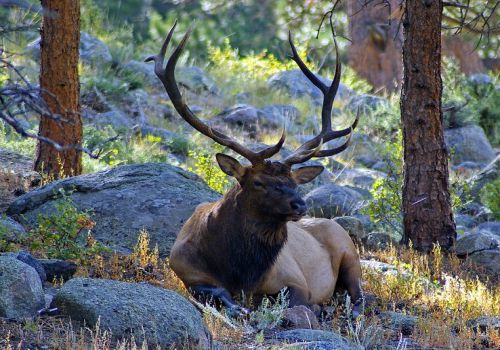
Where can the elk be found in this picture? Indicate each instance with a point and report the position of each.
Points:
(255, 238)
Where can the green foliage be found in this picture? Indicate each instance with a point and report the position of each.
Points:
(385, 208)
(205, 167)
(234, 72)
(490, 196)
(270, 313)
(353, 81)
(61, 235)
(127, 150)
(466, 101)
(11, 140)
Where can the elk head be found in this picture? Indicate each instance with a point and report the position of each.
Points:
(270, 186)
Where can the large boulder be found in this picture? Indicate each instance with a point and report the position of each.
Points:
(353, 226)
(10, 229)
(148, 313)
(363, 150)
(296, 85)
(16, 177)
(359, 177)
(247, 118)
(21, 294)
(489, 260)
(332, 200)
(366, 103)
(92, 50)
(475, 242)
(196, 80)
(124, 200)
(491, 227)
(469, 143)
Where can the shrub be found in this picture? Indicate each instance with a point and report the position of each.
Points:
(61, 235)
(205, 167)
(490, 196)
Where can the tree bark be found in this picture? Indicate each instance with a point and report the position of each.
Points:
(427, 213)
(60, 40)
(375, 51)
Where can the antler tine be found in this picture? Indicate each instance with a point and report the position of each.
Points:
(310, 75)
(167, 77)
(310, 148)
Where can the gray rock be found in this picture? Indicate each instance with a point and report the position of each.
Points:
(361, 178)
(313, 335)
(296, 85)
(21, 294)
(16, 177)
(281, 113)
(300, 316)
(56, 269)
(145, 71)
(363, 150)
(377, 265)
(10, 229)
(332, 200)
(28, 259)
(487, 259)
(483, 322)
(399, 322)
(491, 227)
(196, 80)
(353, 226)
(475, 242)
(92, 50)
(366, 103)
(248, 118)
(380, 240)
(469, 143)
(117, 119)
(465, 220)
(489, 174)
(124, 200)
(159, 316)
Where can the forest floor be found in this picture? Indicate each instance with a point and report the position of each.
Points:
(426, 302)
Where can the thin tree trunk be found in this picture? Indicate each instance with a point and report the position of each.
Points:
(59, 78)
(427, 212)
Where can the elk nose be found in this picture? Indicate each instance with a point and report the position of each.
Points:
(298, 206)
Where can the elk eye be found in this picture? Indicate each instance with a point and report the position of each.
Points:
(258, 184)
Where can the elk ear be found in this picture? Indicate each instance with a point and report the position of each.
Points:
(306, 174)
(230, 166)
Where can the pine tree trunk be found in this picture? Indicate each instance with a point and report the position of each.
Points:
(427, 213)
(375, 50)
(59, 80)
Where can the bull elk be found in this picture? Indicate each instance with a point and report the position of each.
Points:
(255, 238)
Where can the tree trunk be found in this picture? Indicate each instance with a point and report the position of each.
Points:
(375, 51)
(60, 39)
(427, 214)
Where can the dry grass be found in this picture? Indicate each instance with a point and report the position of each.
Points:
(442, 291)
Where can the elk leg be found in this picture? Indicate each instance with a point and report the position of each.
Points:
(350, 279)
(204, 293)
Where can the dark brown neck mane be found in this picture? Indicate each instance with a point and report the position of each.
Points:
(241, 246)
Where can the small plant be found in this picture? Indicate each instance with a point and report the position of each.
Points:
(385, 208)
(208, 170)
(490, 196)
(270, 314)
(61, 235)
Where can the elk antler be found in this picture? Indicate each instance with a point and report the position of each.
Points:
(167, 77)
(312, 148)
